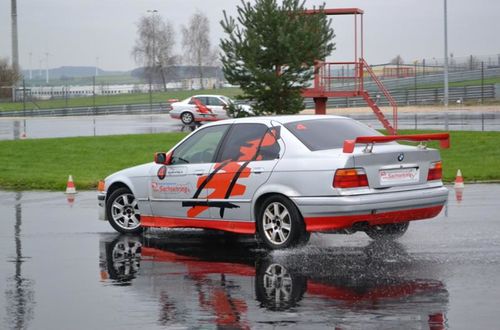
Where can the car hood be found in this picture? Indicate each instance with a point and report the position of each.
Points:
(136, 171)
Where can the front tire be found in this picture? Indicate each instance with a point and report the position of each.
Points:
(280, 224)
(123, 258)
(391, 231)
(187, 118)
(123, 212)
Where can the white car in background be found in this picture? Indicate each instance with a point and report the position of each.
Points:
(188, 112)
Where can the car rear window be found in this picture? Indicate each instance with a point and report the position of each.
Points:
(323, 134)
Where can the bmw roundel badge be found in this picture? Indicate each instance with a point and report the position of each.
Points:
(401, 156)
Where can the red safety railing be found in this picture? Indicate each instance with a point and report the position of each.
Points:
(346, 79)
(384, 91)
(334, 76)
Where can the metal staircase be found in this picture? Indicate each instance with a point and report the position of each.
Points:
(392, 129)
(328, 82)
(378, 113)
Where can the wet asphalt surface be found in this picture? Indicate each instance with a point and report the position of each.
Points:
(51, 127)
(61, 268)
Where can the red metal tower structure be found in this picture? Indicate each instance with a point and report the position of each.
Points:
(326, 82)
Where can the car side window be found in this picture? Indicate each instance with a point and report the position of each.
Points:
(214, 101)
(201, 99)
(200, 147)
(250, 142)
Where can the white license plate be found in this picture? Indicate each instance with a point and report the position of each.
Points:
(399, 176)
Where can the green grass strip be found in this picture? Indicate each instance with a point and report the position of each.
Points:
(465, 83)
(46, 163)
(476, 154)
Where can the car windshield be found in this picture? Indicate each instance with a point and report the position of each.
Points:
(323, 134)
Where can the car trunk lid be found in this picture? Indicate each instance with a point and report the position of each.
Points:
(393, 165)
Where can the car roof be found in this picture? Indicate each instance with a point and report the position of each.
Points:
(280, 119)
(208, 95)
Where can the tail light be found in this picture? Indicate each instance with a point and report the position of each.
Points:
(350, 178)
(101, 186)
(435, 171)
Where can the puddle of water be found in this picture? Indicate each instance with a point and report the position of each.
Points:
(238, 285)
(62, 268)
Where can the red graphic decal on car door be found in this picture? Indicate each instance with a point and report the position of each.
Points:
(220, 182)
(202, 108)
(223, 180)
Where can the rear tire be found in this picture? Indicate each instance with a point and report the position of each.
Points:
(187, 118)
(277, 288)
(280, 224)
(122, 212)
(391, 231)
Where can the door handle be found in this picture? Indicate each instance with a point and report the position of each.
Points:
(199, 172)
(258, 170)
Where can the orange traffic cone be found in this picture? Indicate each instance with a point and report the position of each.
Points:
(459, 194)
(71, 199)
(70, 186)
(459, 180)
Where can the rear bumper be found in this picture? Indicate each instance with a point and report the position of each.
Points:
(331, 213)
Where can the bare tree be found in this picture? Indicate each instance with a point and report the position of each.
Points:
(154, 46)
(196, 43)
(9, 77)
(398, 60)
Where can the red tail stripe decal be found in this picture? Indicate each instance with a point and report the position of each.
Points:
(347, 221)
(312, 223)
(239, 227)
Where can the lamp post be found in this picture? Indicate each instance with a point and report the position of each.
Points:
(47, 67)
(31, 66)
(446, 96)
(15, 44)
(153, 59)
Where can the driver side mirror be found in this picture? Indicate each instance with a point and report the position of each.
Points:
(163, 158)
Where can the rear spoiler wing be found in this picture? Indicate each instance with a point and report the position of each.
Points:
(443, 138)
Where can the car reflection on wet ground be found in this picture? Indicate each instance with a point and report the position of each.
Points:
(61, 268)
(233, 285)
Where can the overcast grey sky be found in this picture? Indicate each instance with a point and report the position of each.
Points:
(75, 32)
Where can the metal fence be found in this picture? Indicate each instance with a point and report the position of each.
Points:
(456, 121)
(427, 79)
(417, 97)
(46, 127)
(402, 97)
(127, 109)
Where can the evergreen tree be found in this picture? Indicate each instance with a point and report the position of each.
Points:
(270, 49)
